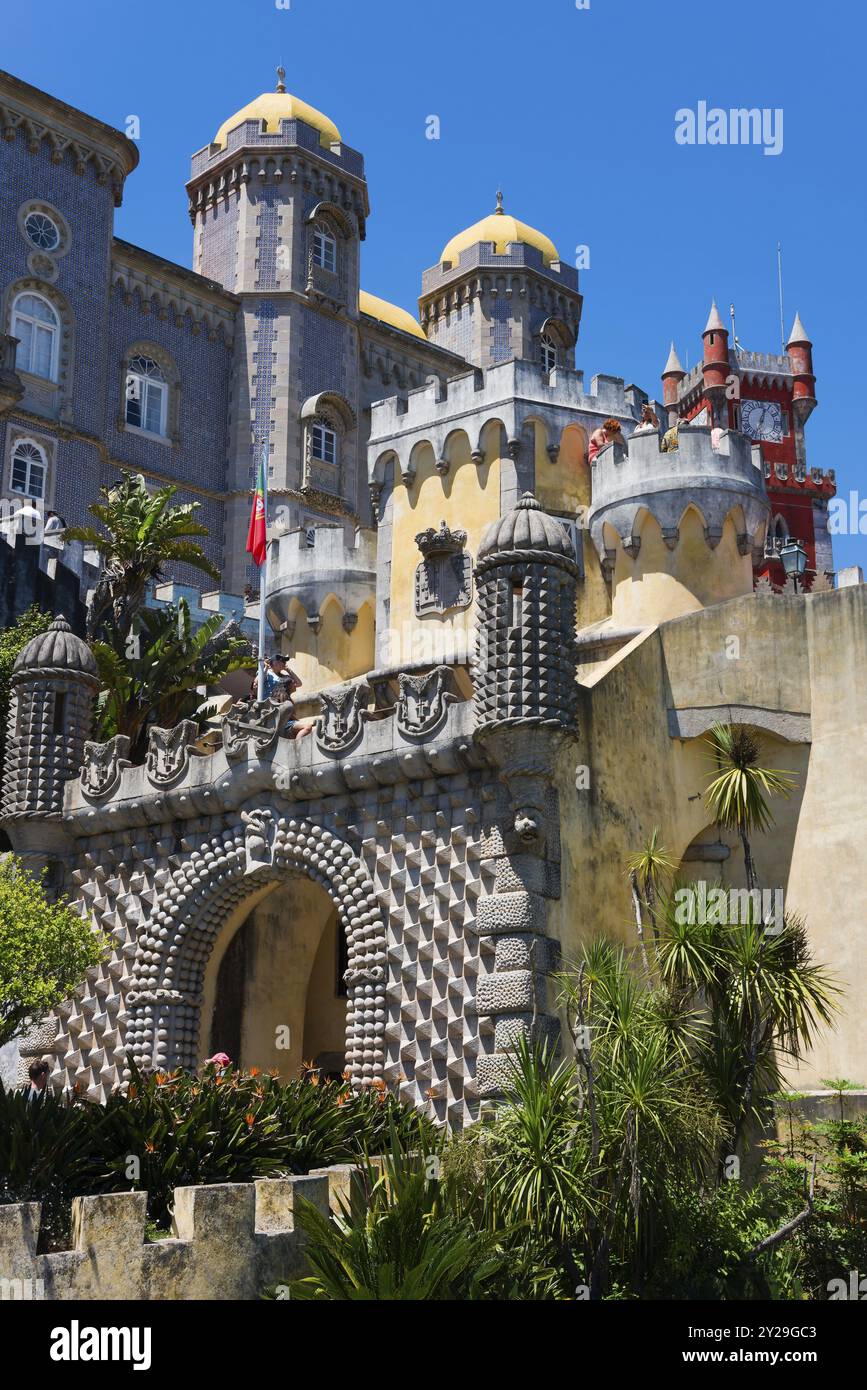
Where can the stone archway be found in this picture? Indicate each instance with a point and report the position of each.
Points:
(164, 1021)
(274, 994)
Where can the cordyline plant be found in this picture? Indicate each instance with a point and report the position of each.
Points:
(739, 787)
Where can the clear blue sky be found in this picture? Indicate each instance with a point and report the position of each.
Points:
(571, 112)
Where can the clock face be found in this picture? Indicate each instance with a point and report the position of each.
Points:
(762, 420)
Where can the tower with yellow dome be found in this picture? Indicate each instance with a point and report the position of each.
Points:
(501, 291)
(279, 207)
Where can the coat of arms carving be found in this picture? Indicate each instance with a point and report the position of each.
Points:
(444, 579)
(103, 764)
(262, 721)
(339, 724)
(423, 700)
(168, 750)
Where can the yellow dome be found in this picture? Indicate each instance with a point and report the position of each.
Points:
(274, 107)
(391, 314)
(500, 228)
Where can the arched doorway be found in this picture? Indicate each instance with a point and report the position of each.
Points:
(209, 894)
(274, 993)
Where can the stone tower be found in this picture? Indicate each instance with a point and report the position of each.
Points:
(279, 205)
(500, 291)
(525, 715)
(53, 683)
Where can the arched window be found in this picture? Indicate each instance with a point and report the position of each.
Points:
(325, 250)
(326, 420)
(29, 469)
(147, 395)
(36, 326)
(549, 353)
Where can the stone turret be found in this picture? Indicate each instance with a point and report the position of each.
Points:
(677, 528)
(526, 574)
(53, 683)
(525, 701)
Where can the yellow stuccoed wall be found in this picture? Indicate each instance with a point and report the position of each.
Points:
(794, 656)
(661, 583)
(332, 654)
(468, 499)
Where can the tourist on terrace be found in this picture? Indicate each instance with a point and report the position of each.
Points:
(608, 433)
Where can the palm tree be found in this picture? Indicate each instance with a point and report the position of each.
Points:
(143, 532)
(736, 793)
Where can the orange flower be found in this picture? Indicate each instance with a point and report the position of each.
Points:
(250, 1119)
(132, 1092)
(149, 1146)
(341, 1100)
(347, 1075)
(378, 1084)
(314, 1078)
(254, 1071)
(161, 1078)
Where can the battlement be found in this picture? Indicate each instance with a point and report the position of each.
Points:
(641, 477)
(310, 563)
(228, 1241)
(482, 389)
(483, 257)
(249, 134)
(205, 604)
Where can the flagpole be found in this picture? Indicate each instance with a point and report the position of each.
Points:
(263, 575)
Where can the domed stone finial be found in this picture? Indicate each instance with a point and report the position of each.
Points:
(499, 207)
(281, 78)
(56, 652)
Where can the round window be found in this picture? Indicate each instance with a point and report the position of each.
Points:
(42, 231)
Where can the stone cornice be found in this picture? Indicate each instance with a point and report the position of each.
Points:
(68, 130)
(179, 294)
(288, 165)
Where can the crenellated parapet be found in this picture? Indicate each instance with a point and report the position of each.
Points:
(514, 395)
(637, 479)
(228, 1241)
(310, 565)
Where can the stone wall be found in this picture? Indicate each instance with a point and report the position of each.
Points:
(228, 1241)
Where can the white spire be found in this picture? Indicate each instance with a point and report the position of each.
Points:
(798, 333)
(714, 322)
(673, 363)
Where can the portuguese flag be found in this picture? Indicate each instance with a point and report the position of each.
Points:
(256, 533)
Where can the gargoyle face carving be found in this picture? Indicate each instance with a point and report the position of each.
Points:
(529, 824)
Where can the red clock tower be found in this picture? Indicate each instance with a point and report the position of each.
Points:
(769, 397)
